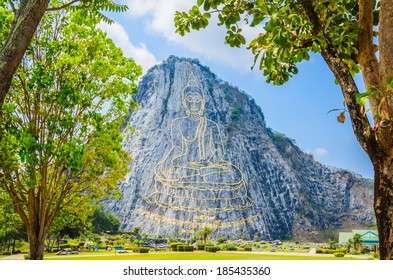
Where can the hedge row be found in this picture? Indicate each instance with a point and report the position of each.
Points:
(331, 251)
(212, 249)
(174, 245)
(185, 248)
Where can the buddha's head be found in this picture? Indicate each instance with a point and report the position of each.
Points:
(193, 99)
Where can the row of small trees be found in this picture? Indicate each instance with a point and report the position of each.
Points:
(66, 225)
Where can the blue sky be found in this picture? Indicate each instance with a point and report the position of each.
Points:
(298, 109)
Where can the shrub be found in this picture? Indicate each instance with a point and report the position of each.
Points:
(188, 248)
(27, 257)
(248, 249)
(212, 249)
(319, 251)
(376, 255)
(65, 246)
(355, 252)
(221, 240)
(180, 248)
(174, 245)
(6, 253)
(143, 250)
(339, 255)
(343, 250)
(230, 247)
(201, 246)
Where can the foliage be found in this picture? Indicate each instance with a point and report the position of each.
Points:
(19, 33)
(332, 244)
(103, 222)
(6, 18)
(376, 255)
(221, 240)
(175, 245)
(61, 139)
(339, 255)
(188, 248)
(355, 252)
(229, 247)
(212, 249)
(287, 37)
(143, 250)
(357, 241)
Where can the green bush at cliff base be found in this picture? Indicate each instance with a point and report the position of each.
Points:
(143, 250)
(376, 255)
(339, 255)
(331, 251)
(212, 249)
(174, 245)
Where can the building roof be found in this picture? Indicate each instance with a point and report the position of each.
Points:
(369, 237)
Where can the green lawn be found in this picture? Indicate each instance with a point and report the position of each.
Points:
(198, 255)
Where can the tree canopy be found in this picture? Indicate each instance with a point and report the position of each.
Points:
(21, 19)
(61, 138)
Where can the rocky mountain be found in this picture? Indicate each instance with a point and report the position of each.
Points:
(202, 155)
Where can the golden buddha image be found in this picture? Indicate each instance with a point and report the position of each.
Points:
(194, 175)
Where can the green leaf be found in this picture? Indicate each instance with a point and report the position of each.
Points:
(362, 98)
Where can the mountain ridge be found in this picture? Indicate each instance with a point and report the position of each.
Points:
(293, 194)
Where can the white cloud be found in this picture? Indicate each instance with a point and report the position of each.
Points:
(139, 53)
(317, 152)
(321, 152)
(158, 16)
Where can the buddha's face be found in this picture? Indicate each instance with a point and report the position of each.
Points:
(193, 102)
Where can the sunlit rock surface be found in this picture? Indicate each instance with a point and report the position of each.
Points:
(281, 190)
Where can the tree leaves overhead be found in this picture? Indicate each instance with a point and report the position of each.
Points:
(286, 36)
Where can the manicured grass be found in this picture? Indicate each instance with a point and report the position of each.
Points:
(197, 255)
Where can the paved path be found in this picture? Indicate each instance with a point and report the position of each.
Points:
(14, 257)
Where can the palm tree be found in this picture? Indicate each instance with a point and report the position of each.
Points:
(349, 244)
(357, 242)
(332, 244)
(204, 233)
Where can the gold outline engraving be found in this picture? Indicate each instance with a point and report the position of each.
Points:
(195, 166)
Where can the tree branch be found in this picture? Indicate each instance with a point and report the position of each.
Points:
(62, 7)
(366, 57)
(360, 124)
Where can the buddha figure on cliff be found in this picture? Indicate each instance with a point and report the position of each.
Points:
(194, 175)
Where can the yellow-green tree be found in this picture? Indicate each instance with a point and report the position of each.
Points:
(22, 17)
(347, 34)
(61, 138)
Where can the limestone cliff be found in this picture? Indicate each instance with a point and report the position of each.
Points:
(217, 164)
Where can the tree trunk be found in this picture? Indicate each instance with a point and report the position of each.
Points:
(383, 205)
(13, 246)
(37, 246)
(23, 28)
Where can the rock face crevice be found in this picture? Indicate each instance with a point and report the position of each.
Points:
(286, 192)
